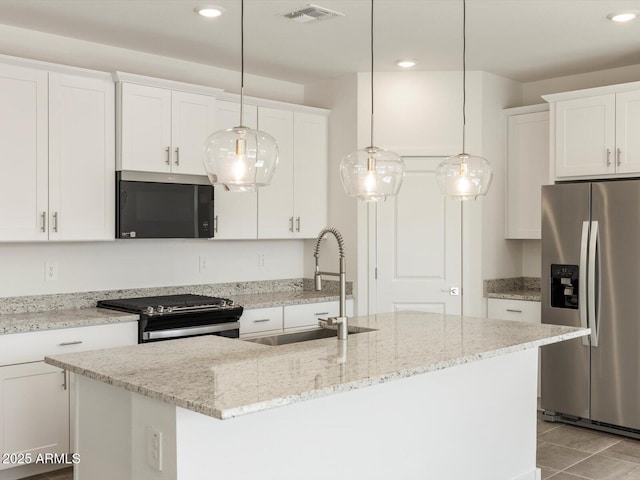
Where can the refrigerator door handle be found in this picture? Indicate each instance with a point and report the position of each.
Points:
(593, 295)
(582, 279)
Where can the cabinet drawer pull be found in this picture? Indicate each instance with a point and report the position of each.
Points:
(513, 310)
(262, 320)
(322, 313)
(75, 342)
(608, 157)
(43, 218)
(618, 157)
(291, 224)
(215, 224)
(55, 221)
(298, 224)
(168, 160)
(177, 155)
(64, 381)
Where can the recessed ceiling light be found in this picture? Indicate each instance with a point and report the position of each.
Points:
(622, 17)
(405, 63)
(209, 11)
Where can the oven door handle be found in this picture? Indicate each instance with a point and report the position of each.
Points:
(189, 331)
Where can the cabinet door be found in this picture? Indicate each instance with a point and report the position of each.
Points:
(310, 173)
(193, 120)
(145, 143)
(23, 136)
(518, 310)
(81, 158)
(34, 409)
(261, 320)
(236, 212)
(585, 136)
(627, 128)
(527, 171)
(275, 202)
(307, 315)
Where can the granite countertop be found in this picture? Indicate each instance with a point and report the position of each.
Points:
(81, 317)
(518, 288)
(225, 378)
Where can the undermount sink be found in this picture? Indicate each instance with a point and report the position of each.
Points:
(305, 336)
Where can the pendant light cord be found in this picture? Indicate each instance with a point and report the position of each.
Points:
(372, 73)
(464, 73)
(241, 59)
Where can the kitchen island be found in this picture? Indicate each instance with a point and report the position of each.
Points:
(421, 396)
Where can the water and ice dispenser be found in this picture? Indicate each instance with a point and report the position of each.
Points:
(565, 287)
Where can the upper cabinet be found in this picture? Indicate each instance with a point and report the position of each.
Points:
(527, 169)
(295, 204)
(163, 129)
(57, 131)
(593, 132)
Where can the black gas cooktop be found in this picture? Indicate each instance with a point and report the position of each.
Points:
(167, 304)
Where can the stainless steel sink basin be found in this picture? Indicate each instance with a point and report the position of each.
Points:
(305, 336)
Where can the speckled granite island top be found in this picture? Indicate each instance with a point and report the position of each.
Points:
(225, 378)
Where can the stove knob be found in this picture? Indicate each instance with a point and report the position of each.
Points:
(231, 303)
(223, 303)
(160, 309)
(169, 309)
(149, 311)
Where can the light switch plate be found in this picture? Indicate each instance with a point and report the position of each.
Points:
(154, 448)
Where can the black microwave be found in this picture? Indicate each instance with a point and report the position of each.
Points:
(150, 205)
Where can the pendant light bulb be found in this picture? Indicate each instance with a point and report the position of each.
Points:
(372, 173)
(464, 176)
(240, 158)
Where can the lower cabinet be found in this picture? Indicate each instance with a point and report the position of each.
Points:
(518, 310)
(36, 407)
(261, 321)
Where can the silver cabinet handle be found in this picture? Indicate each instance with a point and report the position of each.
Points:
(298, 224)
(608, 157)
(291, 224)
(43, 218)
(618, 157)
(66, 344)
(215, 224)
(322, 313)
(514, 311)
(168, 160)
(55, 221)
(64, 379)
(262, 320)
(177, 155)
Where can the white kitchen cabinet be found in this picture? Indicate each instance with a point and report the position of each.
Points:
(517, 310)
(35, 412)
(276, 202)
(34, 409)
(58, 132)
(261, 320)
(527, 169)
(295, 205)
(595, 132)
(236, 213)
(307, 315)
(163, 130)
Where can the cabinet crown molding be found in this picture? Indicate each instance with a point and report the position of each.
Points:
(592, 92)
(163, 83)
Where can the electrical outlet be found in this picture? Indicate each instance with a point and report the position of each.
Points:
(50, 271)
(202, 263)
(261, 261)
(154, 448)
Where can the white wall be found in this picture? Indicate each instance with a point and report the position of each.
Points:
(126, 264)
(47, 47)
(531, 258)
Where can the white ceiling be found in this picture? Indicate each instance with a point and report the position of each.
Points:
(525, 40)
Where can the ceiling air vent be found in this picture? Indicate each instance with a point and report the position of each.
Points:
(312, 14)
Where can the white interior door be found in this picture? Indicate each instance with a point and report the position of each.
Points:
(418, 245)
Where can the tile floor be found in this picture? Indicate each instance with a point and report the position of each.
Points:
(564, 453)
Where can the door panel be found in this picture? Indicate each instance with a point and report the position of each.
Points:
(418, 253)
(193, 120)
(627, 138)
(615, 385)
(565, 366)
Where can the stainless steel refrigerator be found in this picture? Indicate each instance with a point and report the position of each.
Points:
(591, 277)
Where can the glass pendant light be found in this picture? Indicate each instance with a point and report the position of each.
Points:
(240, 158)
(464, 176)
(372, 173)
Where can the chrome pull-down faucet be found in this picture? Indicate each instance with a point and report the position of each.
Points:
(341, 320)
